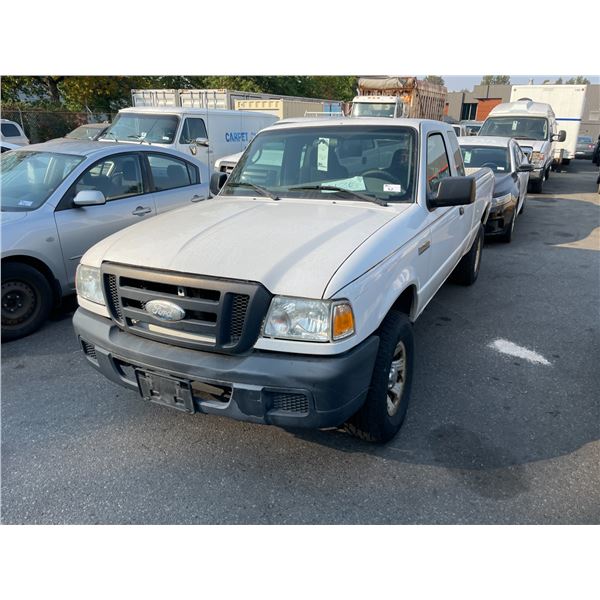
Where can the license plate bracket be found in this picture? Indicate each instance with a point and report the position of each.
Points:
(166, 390)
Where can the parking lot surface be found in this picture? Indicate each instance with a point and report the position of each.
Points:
(494, 434)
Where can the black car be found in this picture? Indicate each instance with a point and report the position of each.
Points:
(511, 172)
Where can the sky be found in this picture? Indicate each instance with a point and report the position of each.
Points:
(456, 83)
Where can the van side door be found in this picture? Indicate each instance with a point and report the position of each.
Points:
(192, 129)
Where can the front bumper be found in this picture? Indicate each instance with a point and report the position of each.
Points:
(318, 391)
(500, 218)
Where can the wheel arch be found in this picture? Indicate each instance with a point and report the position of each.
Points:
(406, 302)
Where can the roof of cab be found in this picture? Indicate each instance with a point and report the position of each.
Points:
(484, 140)
(357, 121)
(522, 108)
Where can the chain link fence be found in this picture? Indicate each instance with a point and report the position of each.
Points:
(44, 125)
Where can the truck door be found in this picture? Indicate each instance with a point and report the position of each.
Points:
(192, 129)
(449, 225)
(128, 201)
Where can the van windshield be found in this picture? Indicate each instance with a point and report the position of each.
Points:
(311, 162)
(154, 129)
(521, 128)
(373, 109)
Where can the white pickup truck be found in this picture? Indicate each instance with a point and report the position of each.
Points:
(289, 297)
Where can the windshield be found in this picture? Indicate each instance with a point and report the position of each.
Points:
(85, 132)
(155, 129)
(373, 109)
(473, 129)
(524, 128)
(28, 178)
(378, 162)
(493, 157)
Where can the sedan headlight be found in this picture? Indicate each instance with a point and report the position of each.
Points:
(537, 158)
(89, 284)
(308, 320)
(501, 200)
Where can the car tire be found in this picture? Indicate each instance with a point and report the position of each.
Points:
(566, 161)
(467, 270)
(26, 300)
(537, 186)
(506, 236)
(381, 416)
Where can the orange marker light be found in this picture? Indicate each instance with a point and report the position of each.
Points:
(343, 321)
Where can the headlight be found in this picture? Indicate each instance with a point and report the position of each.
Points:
(502, 200)
(308, 320)
(89, 284)
(537, 158)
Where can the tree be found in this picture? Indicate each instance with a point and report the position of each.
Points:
(579, 80)
(495, 80)
(435, 79)
(559, 81)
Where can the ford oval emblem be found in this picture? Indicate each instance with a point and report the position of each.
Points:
(165, 310)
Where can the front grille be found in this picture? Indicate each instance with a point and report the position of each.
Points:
(296, 403)
(220, 315)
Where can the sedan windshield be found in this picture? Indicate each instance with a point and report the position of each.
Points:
(493, 157)
(360, 163)
(521, 128)
(155, 129)
(28, 178)
(84, 132)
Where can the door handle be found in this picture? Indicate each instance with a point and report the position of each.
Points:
(197, 198)
(140, 211)
(424, 247)
(461, 210)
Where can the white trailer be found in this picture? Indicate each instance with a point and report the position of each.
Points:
(567, 102)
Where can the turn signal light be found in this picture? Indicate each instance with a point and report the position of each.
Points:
(343, 321)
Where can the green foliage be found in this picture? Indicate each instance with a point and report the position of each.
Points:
(435, 79)
(579, 80)
(108, 94)
(495, 80)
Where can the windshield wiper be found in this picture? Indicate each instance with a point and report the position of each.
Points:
(335, 188)
(261, 190)
(110, 133)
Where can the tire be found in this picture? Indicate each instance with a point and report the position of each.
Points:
(26, 300)
(506, 237)
(566, 161)
(467, 270)
(537, 186)
(381, 416)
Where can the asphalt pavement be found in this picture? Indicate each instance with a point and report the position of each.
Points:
(489, 437)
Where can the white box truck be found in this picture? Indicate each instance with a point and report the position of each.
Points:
(567, 102)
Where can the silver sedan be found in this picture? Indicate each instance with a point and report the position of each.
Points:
(60, 198)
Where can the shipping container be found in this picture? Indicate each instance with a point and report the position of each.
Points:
(285, 109)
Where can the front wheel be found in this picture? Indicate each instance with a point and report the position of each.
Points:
(26, 300)
(537, 186)
(384, 410)
(467, 270)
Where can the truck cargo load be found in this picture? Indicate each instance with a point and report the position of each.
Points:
(399, 97)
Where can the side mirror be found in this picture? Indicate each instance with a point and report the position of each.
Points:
(525, 168)
(201, 142)
(561, 136)
(217, 181)
(89, 198)
(454, 191)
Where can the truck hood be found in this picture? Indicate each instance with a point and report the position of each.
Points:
(291, 246)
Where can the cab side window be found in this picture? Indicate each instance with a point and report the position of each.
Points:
(458, 159)
(191, 130)
(116, 177)
(438, 165)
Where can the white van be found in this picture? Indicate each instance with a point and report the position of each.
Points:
(204, 134)
(533, 125)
